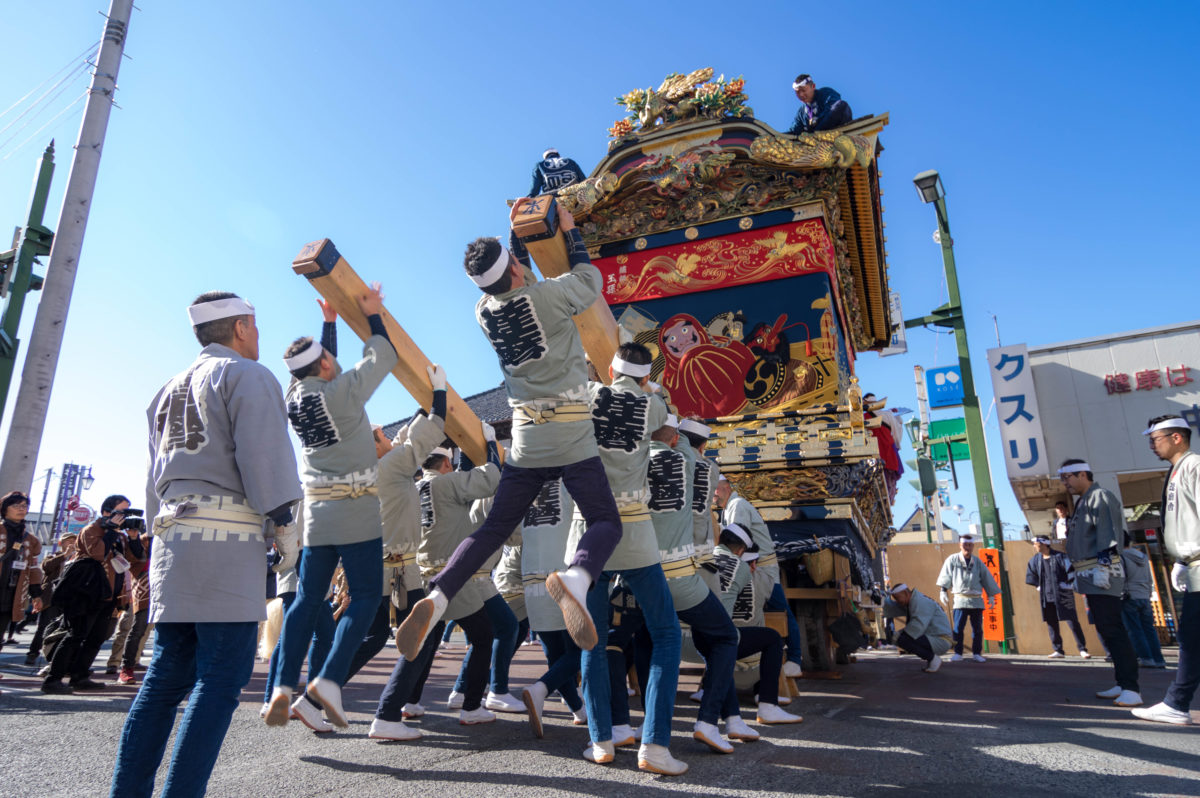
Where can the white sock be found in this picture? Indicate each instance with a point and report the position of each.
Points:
(577, 580)
(439, 601)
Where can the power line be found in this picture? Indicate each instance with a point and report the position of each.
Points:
(35, 133)
(76, 72)
(87, 54)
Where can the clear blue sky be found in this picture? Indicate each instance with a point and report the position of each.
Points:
(398, 129)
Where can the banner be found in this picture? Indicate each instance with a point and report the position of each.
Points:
(1017, 411)
(993, 619)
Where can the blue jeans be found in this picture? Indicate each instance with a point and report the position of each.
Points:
(716, 639)
(379, 634)
(504, 643)
(649, 586)
(364, 576)
(777, 602)
(1139, 622)
(562, 655)
(318, 650)
(213, 662)
(960, 627)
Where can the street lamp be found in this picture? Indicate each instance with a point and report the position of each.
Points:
(950, 315)
(86, 480)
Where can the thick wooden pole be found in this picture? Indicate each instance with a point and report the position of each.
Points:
(536, 224)
(340, 285)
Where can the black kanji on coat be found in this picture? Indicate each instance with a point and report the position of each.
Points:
(666, 476)
(425, 491)
(311, 420)
(546, 510)
(515, 331)
(700, 476)
(179, 423)
(620, 419)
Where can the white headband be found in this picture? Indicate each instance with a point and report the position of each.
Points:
(898, 588)
(494, 272)
(741, 533)
(1170, 423)
(219, 309)
(722, 478)
(749, 556)
(694, 427)
(549, 152)
(630, 369)
(798, 83)
(309, 354)
(443, 451)
(1074, 468)
(672, 420)
(967, 538)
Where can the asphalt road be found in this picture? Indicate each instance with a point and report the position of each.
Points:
(1011, 725)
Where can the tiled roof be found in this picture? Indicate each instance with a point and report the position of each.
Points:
(491, 406)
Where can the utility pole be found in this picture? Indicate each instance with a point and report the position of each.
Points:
(18, 278)
(45, 345)
(929, 186)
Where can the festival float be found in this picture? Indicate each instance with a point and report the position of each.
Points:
(752, 264)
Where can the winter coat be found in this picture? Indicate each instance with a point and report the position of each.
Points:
(20, 568)
(1056, 590)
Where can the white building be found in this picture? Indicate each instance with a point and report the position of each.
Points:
(1091, 399)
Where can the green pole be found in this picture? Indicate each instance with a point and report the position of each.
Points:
(989, 515)
(34, 241)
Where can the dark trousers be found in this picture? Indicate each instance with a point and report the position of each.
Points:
(915, 645)
(1139, 623)
(478, 629)
(1106, 614)
(519, 487)
(716, 639)
(378, 635)
(504, 644)
(1187, 675)
(1050, 615)
(960, 627)
(769, 646)
(47, 615)
(86, 633)
(408, 677)
(562, 656)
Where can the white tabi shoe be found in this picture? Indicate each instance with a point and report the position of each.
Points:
(279, 708)
(392, 730)
(262, 713)
(1084, 655)
(736, 729)
(580, 717)
(934, 664)
(956, 658)
(770, 714)
(410, 637)
(1112, 692)
(569, 589)
(329, 693)
(411, 711)
(475, 717)
(624, 735)
(505, 702)
(455, 701)
(792, 670)
(304, 711)
(600, 753)
(697, 696)
(1162, 713)
(534, 697)
(1056, 655)
(979, 658)
(1128, 698)
(708, 734)
(657, 759)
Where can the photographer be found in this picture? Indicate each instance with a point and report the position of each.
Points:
(135, 611)
(88, 603)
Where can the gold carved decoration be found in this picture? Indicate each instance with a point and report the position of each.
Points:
(821, 150)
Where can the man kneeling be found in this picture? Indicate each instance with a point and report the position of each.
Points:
(926, 628)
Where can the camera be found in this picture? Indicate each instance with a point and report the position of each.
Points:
(132, 520)
(136, 524)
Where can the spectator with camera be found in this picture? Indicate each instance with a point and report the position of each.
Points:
(91, 588)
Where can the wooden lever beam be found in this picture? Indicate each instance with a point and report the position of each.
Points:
(535, 221)
(337, 281)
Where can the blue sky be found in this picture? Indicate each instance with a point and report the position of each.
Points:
(397, 130)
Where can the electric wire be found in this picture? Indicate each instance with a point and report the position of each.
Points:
(72, 75)
(87, 54)
(35, 133)
(47, 105)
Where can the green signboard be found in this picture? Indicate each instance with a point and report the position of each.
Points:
(944, 428)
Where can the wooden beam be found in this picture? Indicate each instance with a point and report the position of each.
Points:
(535, 222)
(336, 280)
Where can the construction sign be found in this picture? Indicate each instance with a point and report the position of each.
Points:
(993, 618)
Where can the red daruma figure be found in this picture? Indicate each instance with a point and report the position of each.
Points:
(704, 379)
